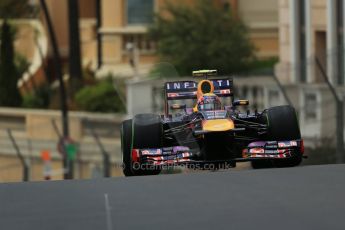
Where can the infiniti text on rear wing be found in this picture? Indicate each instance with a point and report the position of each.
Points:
(179, 90)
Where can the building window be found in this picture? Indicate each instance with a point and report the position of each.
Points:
(140, 12)
(310, 101)
(140, 41)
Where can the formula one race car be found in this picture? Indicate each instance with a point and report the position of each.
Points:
(209, 133)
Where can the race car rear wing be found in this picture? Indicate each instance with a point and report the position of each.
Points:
(179, 90)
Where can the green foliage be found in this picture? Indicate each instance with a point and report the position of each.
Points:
(163, 69)
(39, 99)
(17, 9)
(202, 37)
(101, 97)
(9, 75)
(265, 63)
(263, 66)
(22, 64)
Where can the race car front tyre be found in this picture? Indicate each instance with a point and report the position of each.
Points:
(144, 131)
(126, 145)
(282, 123)
(290, 162)
(262, 164)
(148, 132)
(282, 126)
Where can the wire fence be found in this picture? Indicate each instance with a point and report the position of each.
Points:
(96, 139)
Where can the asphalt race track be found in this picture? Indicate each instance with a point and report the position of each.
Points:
(309, 197)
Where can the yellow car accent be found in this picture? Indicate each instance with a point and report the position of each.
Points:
(243, 102)
(218, 125)
(195, 108)
(200, 92)
(204, 73)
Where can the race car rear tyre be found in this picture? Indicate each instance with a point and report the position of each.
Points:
(282, 126)
(144, 131)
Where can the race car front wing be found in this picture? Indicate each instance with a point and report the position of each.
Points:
(273, 149)
(183, 155)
